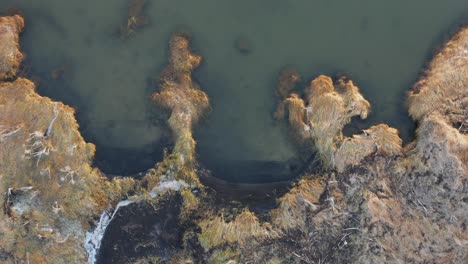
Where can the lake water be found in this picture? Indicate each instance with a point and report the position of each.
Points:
(75, 54)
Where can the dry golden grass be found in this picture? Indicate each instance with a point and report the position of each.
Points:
(322, 114)
(287, 81)
(297, 116)
(435, 130)
(444, 81)
(186, 102)
(10, 55)
(293, 207)
(181, 59)
(243, 230)
(62, 191)
(52, 192)
(380, 139)
(439, 102)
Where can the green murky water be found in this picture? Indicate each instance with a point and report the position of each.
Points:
(382, 45)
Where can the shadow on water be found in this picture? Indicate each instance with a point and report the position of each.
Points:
(112, 160)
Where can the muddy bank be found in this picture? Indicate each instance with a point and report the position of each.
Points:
(376, 201)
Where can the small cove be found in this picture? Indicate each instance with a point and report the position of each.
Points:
(75, 55)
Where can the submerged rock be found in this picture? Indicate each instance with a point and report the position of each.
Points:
(243, 45)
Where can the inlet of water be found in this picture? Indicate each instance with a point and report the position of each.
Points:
(75, 56)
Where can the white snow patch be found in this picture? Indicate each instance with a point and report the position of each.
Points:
(165, 186)
(93, 239)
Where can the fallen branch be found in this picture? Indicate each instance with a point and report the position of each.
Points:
(37, 147)
(6, 132)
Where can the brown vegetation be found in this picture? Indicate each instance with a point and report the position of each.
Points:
(10, 55)
(323, 112)
(444, 86)
(294, 207)
(244, 230)
(186, 102)
(380, 139)
(52, 190)
(287, 81)
(135, 18)
(377, 203)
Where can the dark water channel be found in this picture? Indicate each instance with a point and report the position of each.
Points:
(76, 56)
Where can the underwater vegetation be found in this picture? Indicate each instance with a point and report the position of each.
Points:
(375, 201)
(135, 19)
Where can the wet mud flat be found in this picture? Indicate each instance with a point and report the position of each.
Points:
(143, 229)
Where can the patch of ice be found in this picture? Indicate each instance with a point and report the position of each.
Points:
(165, 186)
(93, 239)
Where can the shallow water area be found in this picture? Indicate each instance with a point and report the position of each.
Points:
(75, 54)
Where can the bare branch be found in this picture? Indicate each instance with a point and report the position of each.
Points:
(49, 128)
(6, 132)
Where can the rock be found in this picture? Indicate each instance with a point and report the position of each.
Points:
(243, 45)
